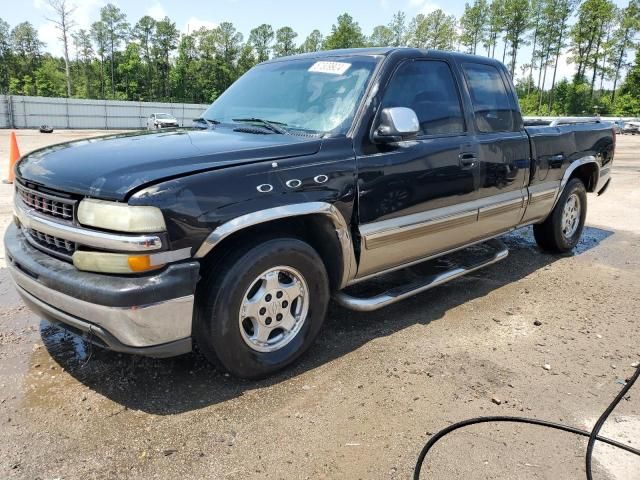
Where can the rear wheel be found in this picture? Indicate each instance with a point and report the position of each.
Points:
(562, 229)
(261, 307)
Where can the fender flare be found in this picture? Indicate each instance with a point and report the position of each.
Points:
(237, 224)
(571, 168)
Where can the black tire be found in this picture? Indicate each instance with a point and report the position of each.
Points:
(549, 234)
(220, 295)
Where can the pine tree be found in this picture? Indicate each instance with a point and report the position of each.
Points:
(313, 42)
(345, 34)
(474, 23)
(260, 38)
(115, 29)
(285, 42)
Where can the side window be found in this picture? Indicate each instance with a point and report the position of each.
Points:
(427, 87)
(491, 102)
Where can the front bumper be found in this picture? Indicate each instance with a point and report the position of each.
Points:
(149, 315)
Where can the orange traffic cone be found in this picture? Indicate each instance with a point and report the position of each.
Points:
(14, 156)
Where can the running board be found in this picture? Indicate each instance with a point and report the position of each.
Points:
(400, 293)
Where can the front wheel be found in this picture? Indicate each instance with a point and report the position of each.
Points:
(261, 307)
(562, 229)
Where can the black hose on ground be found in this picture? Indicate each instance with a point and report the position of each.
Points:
(593, 435)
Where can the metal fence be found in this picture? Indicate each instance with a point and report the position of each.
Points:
(32, 112)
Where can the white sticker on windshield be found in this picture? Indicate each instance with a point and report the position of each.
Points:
(335, 68)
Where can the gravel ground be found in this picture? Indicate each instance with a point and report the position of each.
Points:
(372, 390)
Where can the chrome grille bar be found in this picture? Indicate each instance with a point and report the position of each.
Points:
(47, 204)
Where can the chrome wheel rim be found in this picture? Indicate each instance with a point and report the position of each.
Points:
(571, 216)
(274, 309)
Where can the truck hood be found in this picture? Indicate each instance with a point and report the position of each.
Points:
(111, 167)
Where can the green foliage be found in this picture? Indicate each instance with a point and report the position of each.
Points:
(435, 30)
(623, 38)
(5, 56)
(529, 103)
(631, 84)
(627, 105)
(516, 23)
(50, 80)
(152, 60)
(165, 41)
(131, 71)
(398, 27)
(345, 34)
(579, 99)
(260, 38)
(115, 28)
(587, 33)
(495, 24)
(382, 36)
(285, 42)
(313, 42)
(474, 25)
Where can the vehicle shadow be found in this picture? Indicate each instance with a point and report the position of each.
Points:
(176, 385)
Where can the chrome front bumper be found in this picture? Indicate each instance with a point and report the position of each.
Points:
(146, 315)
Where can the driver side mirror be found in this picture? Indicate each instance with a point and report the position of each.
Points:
(396, 124)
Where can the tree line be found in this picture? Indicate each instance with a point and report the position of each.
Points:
(152, 60)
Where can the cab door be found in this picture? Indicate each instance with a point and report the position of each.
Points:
(416, 197)
(503, 146)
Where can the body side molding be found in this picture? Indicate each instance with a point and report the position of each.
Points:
(288, 211)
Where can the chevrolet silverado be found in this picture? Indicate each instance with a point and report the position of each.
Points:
(310, 174)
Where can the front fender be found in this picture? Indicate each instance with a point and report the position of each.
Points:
(201, 207)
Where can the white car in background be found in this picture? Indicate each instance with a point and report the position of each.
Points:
(156, 121)
(632, 127)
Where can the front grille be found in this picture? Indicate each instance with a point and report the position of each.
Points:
(46, 204)
(55, 245)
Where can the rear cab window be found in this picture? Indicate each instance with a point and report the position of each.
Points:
(492, 106)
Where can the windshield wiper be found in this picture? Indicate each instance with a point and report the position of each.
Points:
(210, 123)
(269, 125)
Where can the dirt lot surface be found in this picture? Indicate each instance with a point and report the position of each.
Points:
(372, 390)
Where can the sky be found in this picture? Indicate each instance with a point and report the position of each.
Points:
(302, 16)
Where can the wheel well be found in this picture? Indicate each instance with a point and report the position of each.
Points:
(588, 173)
(317, 230)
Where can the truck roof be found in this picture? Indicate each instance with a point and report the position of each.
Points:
(385, 51)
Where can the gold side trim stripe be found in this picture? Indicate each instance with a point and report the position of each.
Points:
(500, 209)
(543, 197)
(420, 230)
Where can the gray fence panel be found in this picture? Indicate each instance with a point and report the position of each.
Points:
(5, 120)
(31, 112)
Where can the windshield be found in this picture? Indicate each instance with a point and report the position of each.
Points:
(314, 96)
(164, 116)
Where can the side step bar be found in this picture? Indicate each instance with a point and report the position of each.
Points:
(400, 293)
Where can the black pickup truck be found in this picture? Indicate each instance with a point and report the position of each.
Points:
(311, 173)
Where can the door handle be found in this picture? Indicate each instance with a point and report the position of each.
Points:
(555, 161)
(468, 159)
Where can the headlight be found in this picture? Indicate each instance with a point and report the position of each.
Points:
(115, 262)
(120, 217)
